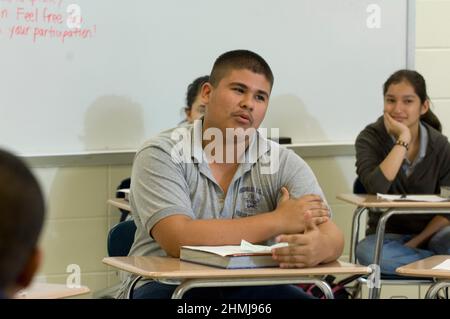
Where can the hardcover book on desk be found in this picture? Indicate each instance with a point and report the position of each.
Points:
(230, 257)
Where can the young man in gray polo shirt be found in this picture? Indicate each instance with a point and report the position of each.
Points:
(219, 181)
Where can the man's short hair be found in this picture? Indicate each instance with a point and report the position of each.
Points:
(22, 212)
(238, 60)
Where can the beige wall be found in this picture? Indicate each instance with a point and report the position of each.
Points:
(79, 219)
(433, 54)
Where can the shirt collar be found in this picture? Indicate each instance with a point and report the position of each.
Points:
(197, 146)
(423, 140)
(258, 146)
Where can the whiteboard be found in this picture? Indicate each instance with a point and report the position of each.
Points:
(105, 75)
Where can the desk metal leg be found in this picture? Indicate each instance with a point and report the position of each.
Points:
(131, 288)
(374, 291)
(355, 232)
(434, 289)
(229, 282)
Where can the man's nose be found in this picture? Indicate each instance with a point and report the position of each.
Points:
(247, 102)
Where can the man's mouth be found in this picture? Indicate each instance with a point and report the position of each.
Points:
(243, 117)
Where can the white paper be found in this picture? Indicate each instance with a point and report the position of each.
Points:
(124, 190)
(445, 265)
(412, 198)
(245, 247)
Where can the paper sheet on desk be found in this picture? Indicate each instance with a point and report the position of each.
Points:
(412, 198)
(245, 245)
(244, 248)
(445, 265)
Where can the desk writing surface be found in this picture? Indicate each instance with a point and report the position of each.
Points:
(120, 203)
(424, 267)
(172, 268)
(372, 201)
(50, 291)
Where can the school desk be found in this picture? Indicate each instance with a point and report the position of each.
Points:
(50, 291)
(190, 275)
(120, 203)
(386, 209)
(424, 268)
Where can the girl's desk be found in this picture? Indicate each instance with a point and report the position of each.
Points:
(387, 209)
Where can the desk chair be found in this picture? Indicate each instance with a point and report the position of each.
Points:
(125, 184)
(120, 240)
(385, 279)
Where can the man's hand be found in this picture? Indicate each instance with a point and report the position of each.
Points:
(304, 250)
(292, 211)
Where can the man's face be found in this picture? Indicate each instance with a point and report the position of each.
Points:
(240, 100)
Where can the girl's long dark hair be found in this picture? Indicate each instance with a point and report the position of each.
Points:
(418, 83)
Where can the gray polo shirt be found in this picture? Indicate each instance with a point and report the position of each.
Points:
(163, 185)
(171, 176)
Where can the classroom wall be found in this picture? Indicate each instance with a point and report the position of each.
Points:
(79, 219)
(433, 54)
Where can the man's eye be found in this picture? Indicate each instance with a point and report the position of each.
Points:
(238, 89)
(261, 98)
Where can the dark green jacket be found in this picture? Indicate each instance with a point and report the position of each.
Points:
(372, 145)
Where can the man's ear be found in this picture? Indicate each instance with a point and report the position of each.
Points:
(31, 267)
(425, 107)
(205, 92)
(188, 114)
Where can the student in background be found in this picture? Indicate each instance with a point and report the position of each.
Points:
(194, 106)
(209, 199)
(404, 152)
(21, 219)
(194, 110)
